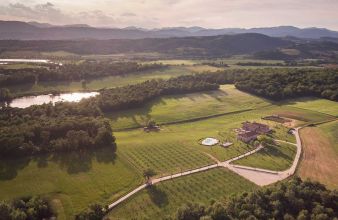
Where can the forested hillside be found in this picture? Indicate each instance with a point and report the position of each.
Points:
(187, 46)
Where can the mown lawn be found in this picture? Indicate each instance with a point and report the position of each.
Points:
(162, 200)
(278, 157)
(71, 181)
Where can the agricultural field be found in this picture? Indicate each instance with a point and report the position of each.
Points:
(71, 181)
(176, 147)
(320, 158)
(164, 199)
(277, 157)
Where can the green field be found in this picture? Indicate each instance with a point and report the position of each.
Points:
(176, 147)
(315, 104)
(71, 181)
(331, 131)
(164, 199)
(278, 157)
(176, 108)
(108, 82)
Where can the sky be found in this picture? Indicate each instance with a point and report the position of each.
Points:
(174, 13)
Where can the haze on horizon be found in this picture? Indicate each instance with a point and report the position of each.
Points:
(174, 13)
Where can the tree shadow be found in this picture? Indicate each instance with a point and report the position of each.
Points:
(218, 95)
(72, 162)
(81, 161)
(157, 196)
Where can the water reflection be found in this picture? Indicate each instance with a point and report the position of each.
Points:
(27, 101)
(25, 60)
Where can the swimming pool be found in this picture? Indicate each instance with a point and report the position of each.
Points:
(210, 141)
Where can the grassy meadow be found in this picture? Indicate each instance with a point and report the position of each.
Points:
(277, 157)
(71, 181)
(176, 108)
(315, 104)
(164, 199)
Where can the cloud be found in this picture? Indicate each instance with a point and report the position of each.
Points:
(162, 13)
(47, 12)
(128, 14)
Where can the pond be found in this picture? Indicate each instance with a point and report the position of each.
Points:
(27, 101)
(24, 60)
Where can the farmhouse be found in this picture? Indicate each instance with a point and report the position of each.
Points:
(247, 136)
(256, 127)
(250, 131)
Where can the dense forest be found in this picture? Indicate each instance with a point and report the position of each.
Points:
(289, 83)
(27, 135)
(68, 72)
(294, 199)
(30, 208)
(278, 83)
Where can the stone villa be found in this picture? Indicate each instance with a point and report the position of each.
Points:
(250, 131)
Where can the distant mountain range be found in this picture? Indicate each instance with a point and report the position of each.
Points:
(16, 30)
(177, 46)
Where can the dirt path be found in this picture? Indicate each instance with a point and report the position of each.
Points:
(264, 177)
(319, 161)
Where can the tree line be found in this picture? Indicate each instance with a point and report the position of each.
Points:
(280, 84)
(69, 72)
(295, 199)
(29, 208)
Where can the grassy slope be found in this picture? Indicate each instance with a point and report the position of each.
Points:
(331, 131)
(71, 181)
(278, 157)
(164, 199)
(314, 104)
(184, 107)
